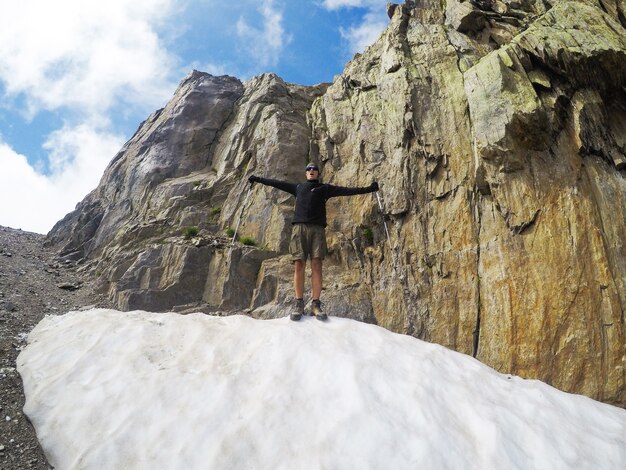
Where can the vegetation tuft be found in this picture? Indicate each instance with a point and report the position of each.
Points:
(368, 234)
(248, 241)
(190, 232)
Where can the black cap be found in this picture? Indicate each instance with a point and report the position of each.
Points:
(312, 166)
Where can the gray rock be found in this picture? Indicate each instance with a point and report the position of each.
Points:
(69, 286)
(464, 16)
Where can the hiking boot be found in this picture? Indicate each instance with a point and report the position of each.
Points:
(298, 310)
(316, 309)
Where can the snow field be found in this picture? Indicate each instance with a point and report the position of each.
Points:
(139, 390)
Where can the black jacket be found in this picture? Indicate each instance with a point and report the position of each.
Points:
(311, 198)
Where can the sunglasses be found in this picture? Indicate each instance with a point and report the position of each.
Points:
(312, 168)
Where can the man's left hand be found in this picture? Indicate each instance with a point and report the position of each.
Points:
(374, 186)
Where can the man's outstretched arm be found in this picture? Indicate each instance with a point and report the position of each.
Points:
(334, 191)
(282, 185)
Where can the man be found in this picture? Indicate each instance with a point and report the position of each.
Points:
(308, 238)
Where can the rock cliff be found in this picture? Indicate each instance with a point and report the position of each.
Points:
(497, 132)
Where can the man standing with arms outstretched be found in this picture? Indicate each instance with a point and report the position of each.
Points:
(308, 237)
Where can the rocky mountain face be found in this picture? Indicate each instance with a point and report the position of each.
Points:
(497, 132)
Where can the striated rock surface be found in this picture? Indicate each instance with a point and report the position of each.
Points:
(497, 132)
(184, 168)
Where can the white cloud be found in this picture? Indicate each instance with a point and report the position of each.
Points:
(86, 55)
(83, 61)
(77, 153)
(367, 31)
(365, 34)
(18, 184)
(35, 202)
(264, 45)
(337, 4)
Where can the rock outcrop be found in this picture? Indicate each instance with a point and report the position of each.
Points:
(497, 132)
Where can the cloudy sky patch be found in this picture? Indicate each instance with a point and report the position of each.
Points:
(264, 44)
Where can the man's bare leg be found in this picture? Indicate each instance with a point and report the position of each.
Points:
(298, 278)
(298, 283)
(316, 278)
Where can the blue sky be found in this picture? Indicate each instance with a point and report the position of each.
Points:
(78, 76)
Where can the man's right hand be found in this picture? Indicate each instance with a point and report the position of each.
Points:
(253, 179)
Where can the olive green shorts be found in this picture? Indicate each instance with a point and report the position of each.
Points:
(307, 241)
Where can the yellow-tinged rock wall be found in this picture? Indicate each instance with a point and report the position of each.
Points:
(503, 184)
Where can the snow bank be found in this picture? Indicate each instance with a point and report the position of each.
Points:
(111, 390)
